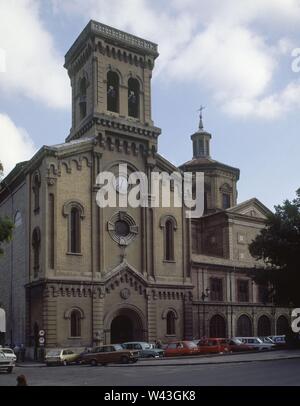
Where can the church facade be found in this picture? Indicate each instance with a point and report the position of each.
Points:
(88, 275)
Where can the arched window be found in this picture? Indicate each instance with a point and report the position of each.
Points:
(217, 327)
(82, 98)
(226, 191)
(133, 98)
(74, 212)
(75, 321)
(36, 191)
(171, 320)
(169, 241)
(75, 230)
(264, 326)
(244, 326)
(282, 325)
(36, 245)
(18, 219)
(113, 92)
(168, 225)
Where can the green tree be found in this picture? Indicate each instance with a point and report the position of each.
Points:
(6, 226)
(278, 244)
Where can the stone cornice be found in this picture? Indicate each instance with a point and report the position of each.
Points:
(121, 38)
(116, 124)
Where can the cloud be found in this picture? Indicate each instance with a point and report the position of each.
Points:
(15, 144)
(33, 66)
(269, 107)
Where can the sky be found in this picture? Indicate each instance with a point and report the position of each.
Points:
(240, 59)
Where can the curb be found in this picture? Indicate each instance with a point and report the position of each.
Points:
(204, 363)
(163, 364)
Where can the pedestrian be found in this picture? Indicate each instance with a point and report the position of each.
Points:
(22, 352)
(17, 352)
(21, 380)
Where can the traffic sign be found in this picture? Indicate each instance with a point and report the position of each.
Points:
(42, 340)
(41, 333)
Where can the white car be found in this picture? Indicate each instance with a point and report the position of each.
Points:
(9, 353)
(256, 343)
(6, 363)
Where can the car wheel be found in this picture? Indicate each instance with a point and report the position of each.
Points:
(151, 356)
(94, 363)
(9, 370)
(65, 363)
(124, 360)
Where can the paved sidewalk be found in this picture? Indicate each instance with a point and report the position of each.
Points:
(199, 360)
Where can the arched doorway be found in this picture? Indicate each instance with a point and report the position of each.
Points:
(282, 326)
(264, 326)
(217, 327)
(244, 326)
(126, 326)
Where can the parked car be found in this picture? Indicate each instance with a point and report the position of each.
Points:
(145, 350)
(236, 345)
(108, 354)
(267, 340)
(9, 353)
(213, 346)
(61, 357)
(6, 363)
(279, 341)
(181, 348)
(256, 343)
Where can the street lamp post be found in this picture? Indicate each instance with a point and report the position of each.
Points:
(204, 296)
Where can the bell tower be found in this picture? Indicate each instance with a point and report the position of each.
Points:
(110, 73)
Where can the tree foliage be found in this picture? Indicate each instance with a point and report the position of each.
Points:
(6, 226)
(6, 229)
(278, 244)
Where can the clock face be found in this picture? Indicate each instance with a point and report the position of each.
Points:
(121, 184)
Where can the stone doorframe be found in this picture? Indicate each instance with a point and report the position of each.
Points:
(121, 309)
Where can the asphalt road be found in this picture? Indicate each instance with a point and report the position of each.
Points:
(262, 373)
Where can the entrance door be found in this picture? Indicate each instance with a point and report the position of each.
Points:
(121, 330)
(126, 326)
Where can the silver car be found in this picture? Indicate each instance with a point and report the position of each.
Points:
(256, 343)
(9, 353)
(6, 363)
(145, 349)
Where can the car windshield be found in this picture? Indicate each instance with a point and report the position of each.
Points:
(191, 345)
(53, 353)
(118, 347)
(268, 340)
(8, 351)
(237, 341)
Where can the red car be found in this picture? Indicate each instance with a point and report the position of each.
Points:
(213, 346)
(181, 348)
(236, 345)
